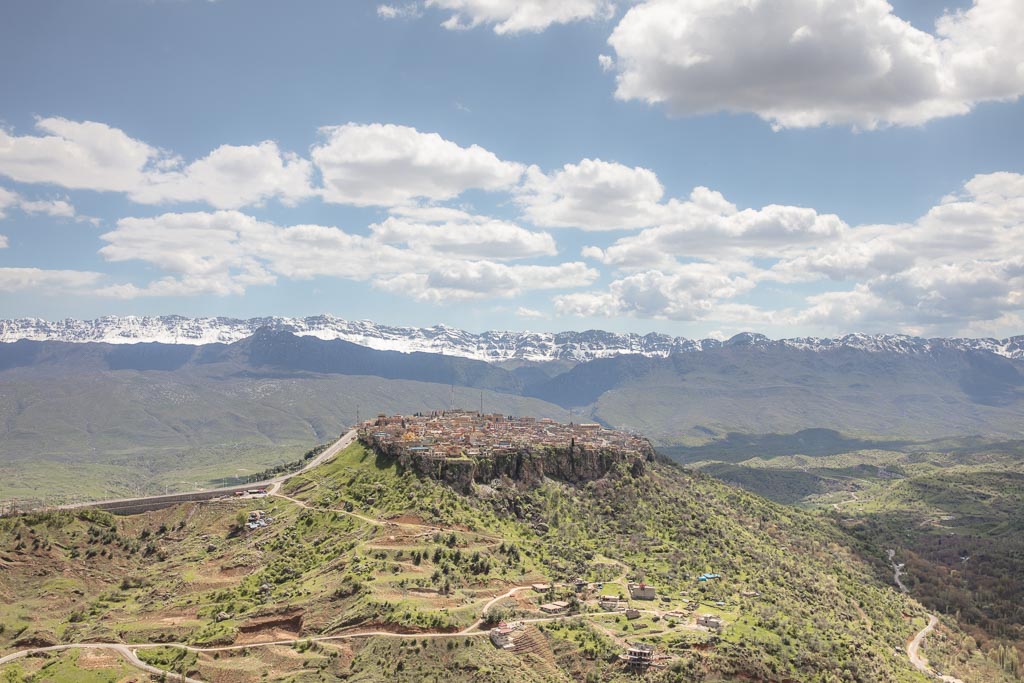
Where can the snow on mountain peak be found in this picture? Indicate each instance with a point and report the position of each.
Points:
(491, 346)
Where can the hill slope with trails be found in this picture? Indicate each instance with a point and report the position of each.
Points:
(361, 570)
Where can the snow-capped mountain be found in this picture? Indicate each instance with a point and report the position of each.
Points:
(492, 346)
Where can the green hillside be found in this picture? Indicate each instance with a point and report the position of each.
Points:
(355, 547)
(951, 512)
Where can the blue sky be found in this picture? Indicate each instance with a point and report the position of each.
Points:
(696, 168)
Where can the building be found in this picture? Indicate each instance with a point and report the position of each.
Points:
(639, 655)
(611, 604)
(642, 591)
(711, 621)
(554, 607)
(541, 587)
(503, 635)
(708, 577)
(632, 614)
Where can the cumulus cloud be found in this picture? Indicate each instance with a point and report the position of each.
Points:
(231, 176)
(707, 225)
(957, 267)
(94, 156)
(456, 232)
(51, 207)
(48, 281)
(517, 16)
(410, 10)
(486, 279)
(225, 252)
(692, 291)
(593, 195)
(386, 165)
(8, 199)
(807, 63)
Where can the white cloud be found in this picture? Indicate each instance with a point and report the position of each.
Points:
(3, 241)
(691, 292)
(516, 16)
(458, 233)
(8, 199)
(51, 207)
(93, 156)
(386, 165)
(79, 155)
(410, 10)
(812, 62)
(226, 252)
(708, 226)
(48, 281)
(485, 279)
(606, 62)
(524, 312)
(232, 176)
(593, 195)
(959, 267)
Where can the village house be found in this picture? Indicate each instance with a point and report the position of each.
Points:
(642, 591)
(503, 635)
(554, 607)
(640, 655)
(612, 604)
(711, 621)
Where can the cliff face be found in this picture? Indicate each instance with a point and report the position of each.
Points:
(524, 466)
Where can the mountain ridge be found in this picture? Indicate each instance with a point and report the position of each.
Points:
(491, 346)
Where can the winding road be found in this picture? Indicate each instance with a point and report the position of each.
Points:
(919, 662)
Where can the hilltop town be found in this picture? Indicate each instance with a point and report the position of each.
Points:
(463, 447)
(467, 433)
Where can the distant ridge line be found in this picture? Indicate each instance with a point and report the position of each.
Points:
(490, 346)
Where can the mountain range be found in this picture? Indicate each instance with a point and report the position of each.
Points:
(490, 346)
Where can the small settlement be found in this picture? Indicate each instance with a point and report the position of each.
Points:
(468, 433)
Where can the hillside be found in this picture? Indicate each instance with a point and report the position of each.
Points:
(949, 510)
(354, 547)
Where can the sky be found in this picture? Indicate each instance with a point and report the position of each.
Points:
(691, 167)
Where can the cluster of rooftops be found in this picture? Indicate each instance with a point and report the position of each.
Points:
(469, 433)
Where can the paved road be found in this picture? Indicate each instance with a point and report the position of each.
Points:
(919, 662)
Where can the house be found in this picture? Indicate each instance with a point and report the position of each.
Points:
(708, 577)
(580, 585)
(642, 591)
(503, 634)
(639, 655)
(611, 604)
(750, 594)
(554, 607)
(632, 614)
(541, 587)
(710, 621)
